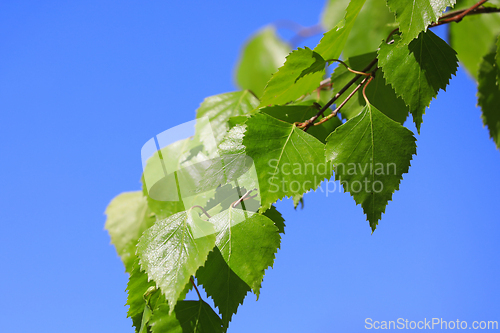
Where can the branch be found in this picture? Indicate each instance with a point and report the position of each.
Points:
(334, 112)
(309, 122)
(455, 16)
(458, 15)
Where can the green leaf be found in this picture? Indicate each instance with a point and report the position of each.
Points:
(128, 217)
(288, 160)
(233, 142)
(248, 242)
(382, 96)
(220, 108)
(482, 29)
(370, 153)
(333, 12)
(137, 286)
(171, 175)
(225, 287)
(379, 93)
(301, 74)
(172, 250)
(189, 317)
(142, 294)
(301, 113)
(413, 16)
(419, 70)
(488, 95)
(373, 24)
(332, 43)
(262, 55)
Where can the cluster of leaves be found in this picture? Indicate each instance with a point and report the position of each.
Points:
(393, 67)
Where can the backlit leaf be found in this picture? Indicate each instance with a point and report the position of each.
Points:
(262, 55)
(220, 108)
(413, 16)
(301, 74)
(332, 43)
(173, 249)
(128, 217)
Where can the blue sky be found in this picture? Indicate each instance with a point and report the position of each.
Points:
(83, 85)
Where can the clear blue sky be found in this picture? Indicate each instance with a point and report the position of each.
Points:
(84, 84)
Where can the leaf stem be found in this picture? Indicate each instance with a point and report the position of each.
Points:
(364, 90)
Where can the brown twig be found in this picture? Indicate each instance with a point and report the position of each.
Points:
(348, 68)
(308, 123)
(195, 287)
(334, 112)
(455, 16)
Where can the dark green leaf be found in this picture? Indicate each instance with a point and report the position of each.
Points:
(419, 70)
(248, 242)
(370, 153)
(379, 93)
(273, 214)
(263, 54)
(382, 96)
(488, 95)
(225, 287)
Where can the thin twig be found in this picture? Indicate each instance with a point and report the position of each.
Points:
(348, 68)
(334, 112)
(309, 122)
(459, 16)
(195, 287)
(456, 16)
